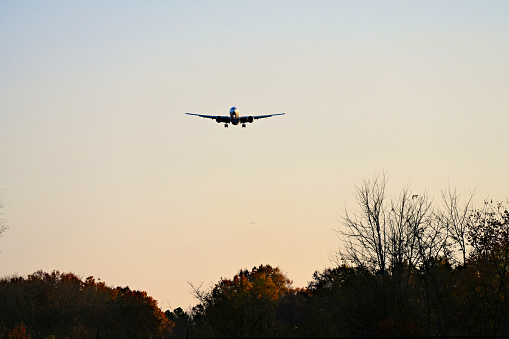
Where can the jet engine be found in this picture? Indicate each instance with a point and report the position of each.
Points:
(249, 119)
(218, 119)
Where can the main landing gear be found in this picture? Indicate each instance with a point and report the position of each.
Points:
(225, 125)
(243, 125)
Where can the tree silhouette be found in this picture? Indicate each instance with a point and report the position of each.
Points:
(409, 268)
(485, 289)
(243, 306)
(3, 222)
(63, 305)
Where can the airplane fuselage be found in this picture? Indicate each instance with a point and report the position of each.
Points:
(234, 116)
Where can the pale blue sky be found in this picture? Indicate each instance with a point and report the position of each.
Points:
(104, 175)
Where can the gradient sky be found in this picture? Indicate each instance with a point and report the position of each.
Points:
(103, 174)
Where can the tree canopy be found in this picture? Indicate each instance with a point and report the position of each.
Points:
(65, 306)
(408, 267)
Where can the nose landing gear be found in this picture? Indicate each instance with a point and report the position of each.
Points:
(243, 125)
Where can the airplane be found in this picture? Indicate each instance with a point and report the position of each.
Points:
(234, 118)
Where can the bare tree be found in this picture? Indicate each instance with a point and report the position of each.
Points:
(365, 235)
(3, 222)
(456, 217)
(389, 233)
(409, 221)
(405, 241)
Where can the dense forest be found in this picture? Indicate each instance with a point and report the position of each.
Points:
(408, 266)
(56, 305)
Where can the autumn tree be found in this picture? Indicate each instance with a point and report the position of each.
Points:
(63, 305)
(243, 306)
(484, 289)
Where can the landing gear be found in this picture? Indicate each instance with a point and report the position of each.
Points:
(225, 125)
(243, 125)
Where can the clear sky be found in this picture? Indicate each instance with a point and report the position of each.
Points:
(103, 174)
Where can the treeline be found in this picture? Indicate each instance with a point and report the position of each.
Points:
(408, 267)
(56, 305)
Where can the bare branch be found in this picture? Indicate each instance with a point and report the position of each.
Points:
(456, 218)
(365, 233)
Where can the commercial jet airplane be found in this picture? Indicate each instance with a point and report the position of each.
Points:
(234, 118)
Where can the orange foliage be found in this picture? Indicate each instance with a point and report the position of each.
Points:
(18, 332)
(63, 305)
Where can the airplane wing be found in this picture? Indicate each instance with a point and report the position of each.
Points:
(266, 116)
(203, 116)
(214, 117)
